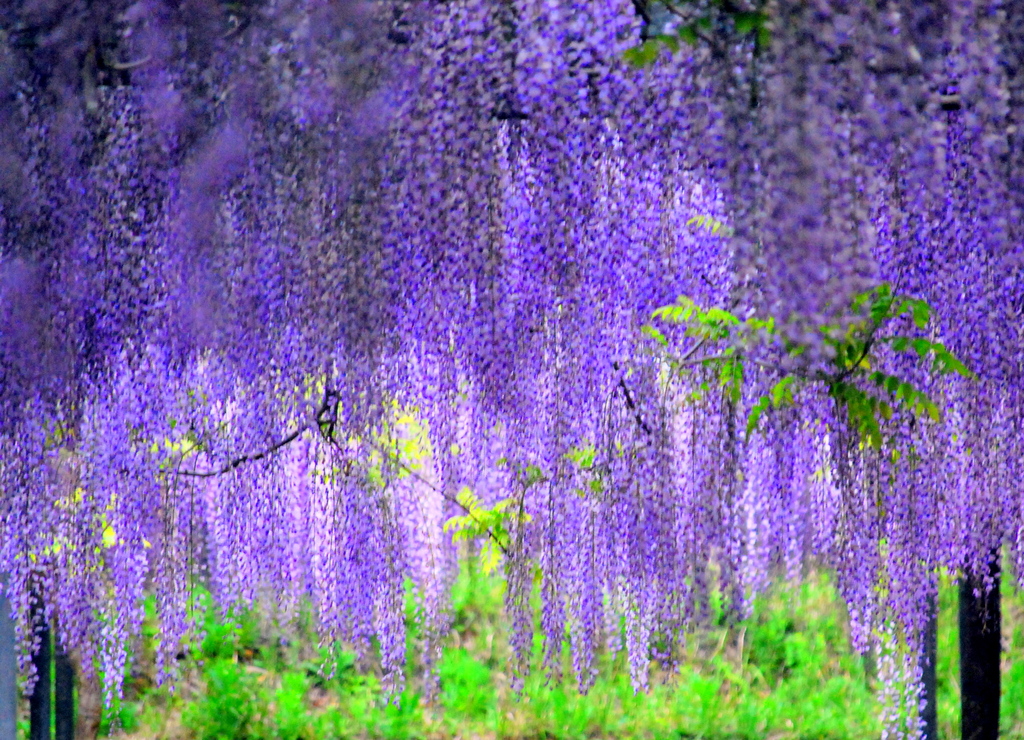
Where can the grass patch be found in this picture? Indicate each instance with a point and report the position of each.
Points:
(786, 673)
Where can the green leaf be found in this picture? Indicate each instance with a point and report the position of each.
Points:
(755, 414)
(880, 311)
(643, 55)
(922, 312)
(858, 301)
(490, 557)
(710, 223)
(582, 456)
(689, 34)
(679, 312)
(722, 316)
(533, 475)
(654, 334)
(748, 21)
(782, 392)
(954, 364)
(672, 42)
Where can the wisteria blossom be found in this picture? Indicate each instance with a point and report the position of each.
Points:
(280, 281)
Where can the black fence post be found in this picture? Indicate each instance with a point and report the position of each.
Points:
(39, 702)
(63, 694)
(980, 625)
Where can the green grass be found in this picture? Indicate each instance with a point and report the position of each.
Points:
(785, 673)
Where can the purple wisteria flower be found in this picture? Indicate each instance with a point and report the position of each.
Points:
(279, 280)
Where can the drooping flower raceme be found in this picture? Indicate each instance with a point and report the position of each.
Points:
(279, 280)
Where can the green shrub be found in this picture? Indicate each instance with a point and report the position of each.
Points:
(292, 720)
(228, 708)
(786, 672)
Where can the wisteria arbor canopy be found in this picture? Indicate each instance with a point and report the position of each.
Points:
(286, 286)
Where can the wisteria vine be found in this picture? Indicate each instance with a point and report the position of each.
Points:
(295, 294)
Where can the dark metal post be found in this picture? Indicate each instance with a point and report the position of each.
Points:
(63, 695)
(8, 669)
(979, 656)
(39, 702)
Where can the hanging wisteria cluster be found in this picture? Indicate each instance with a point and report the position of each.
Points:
(281, 281)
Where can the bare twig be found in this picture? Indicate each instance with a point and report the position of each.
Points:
(631, 404)
(329, 398)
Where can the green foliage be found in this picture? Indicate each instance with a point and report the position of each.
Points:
(123, 717)
(711, 224)
(867, 395)
(462, 676)
(492, 525)
(645, 54)
(489, 524)
(717, 23)
(583, 456)
(786, 672)
(223, 635)
(292, 720)
(228, 708)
